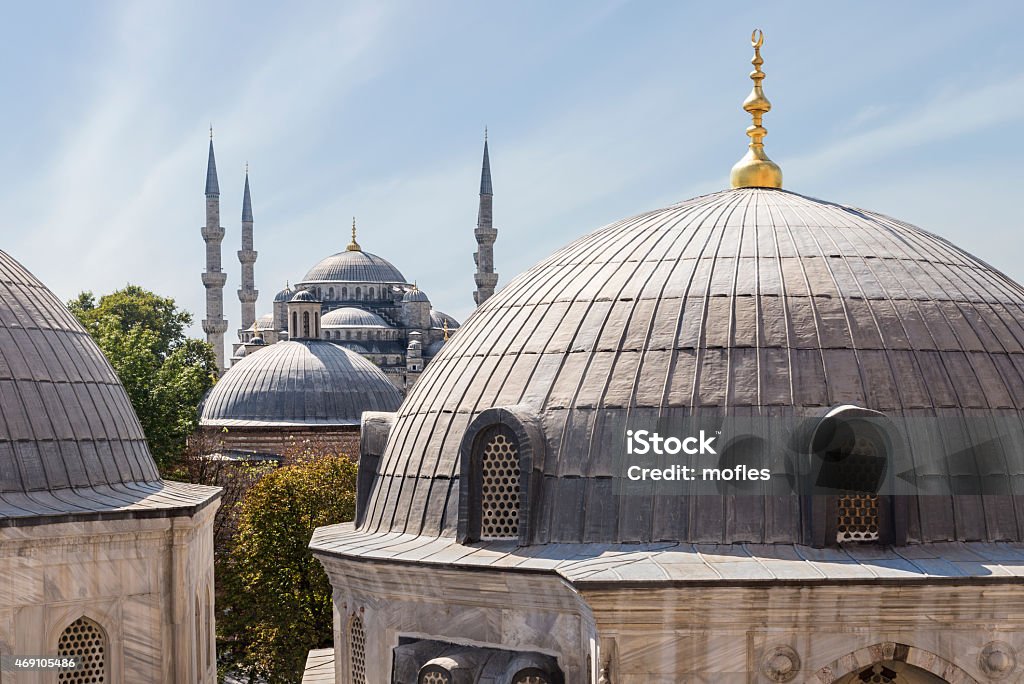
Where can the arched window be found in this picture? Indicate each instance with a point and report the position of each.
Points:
(294, 332)
(87, 642)
(359, 334)
(369, 293)
(305, 324)
(531, 675)
(316, 324)
(857, 508)
(330, 294)
(348, 334)
(498, 456)
(344, 293)
(356, 650)
(359, 293)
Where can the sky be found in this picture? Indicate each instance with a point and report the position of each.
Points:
(596, 110)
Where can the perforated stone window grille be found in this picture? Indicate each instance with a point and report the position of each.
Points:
(857, 510)
(84, 639)
(357, 650)
(435, 676)
(530, 677)
(499, 491)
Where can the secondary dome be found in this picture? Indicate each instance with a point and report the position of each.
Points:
(69, 437)
(352, 317)
(415, 295)
(739, 302)
(304, 296)
(299, 382)
(354, 266)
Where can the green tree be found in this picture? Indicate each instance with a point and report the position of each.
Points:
(165, 373)
(279, 595)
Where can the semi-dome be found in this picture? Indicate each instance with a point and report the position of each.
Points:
(748, 302)
(299, 382)
(439, 318)
(352, 317)
(70, 442)
(354, 266)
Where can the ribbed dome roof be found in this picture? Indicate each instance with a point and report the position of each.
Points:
(354, 266)
(284, 295)
(352, 317)
(743, 302)
(68, 433)
(304, 296)
(264, 322)
(299, 382)
(437, 319)
(415, 295)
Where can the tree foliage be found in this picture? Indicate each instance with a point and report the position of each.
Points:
(165, 373)
(279, 595)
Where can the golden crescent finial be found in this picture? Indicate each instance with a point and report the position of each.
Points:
(446, 330)
(756, 170)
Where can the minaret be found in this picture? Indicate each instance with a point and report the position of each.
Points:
(247, 293)
(485, 234)
(214, 277)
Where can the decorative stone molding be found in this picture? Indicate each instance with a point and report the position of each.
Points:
(997, 660)
(781, 664)
(890, 650)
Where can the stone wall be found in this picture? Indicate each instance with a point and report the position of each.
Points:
(277, 441)
(140, 580)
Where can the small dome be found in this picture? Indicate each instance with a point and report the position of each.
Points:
(264, 322)
(304, 296)
(352, 317)
(257, 340)
(438, 318)
(415, 295)
(299, 382)
(434, 347)
(354, 266)
(284, 295)
(241, 352)
(69, 436)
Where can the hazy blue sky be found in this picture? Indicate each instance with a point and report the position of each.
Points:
(597, 110)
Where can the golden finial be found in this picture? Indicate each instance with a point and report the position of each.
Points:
(354, 246)
(446, 330)
(756, 170)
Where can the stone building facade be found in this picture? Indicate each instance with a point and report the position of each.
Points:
(101, 559)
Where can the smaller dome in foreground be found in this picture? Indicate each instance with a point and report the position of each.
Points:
(304, 296)
(352, 317)
(415, 295)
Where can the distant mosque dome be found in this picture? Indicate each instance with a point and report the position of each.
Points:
(264, 322)
(285, 295)
(354, 266)
(352, 317)
(439, 318)
(298, 383)
(415, 295)
(304, 296)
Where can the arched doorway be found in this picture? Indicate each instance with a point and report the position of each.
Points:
(891, 672)
(892, 663)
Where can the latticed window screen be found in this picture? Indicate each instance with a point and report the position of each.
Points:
(357, 650)
(435, 676)
(530, 677)
(857, 509)
(84, 640)
(499, 488)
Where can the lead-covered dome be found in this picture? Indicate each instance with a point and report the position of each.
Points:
(744, 302)
(70, 442)
(352, 317)
(354, 266)
(299, 382)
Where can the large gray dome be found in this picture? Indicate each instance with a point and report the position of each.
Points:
(354, 266)
(352, 317)
(744, 302)
(299, 382)
(70, 442)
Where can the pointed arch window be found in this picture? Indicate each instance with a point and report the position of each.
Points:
(86, 641)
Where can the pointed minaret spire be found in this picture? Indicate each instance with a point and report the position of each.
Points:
(486, 234)
(214, 277)
(247, 293)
